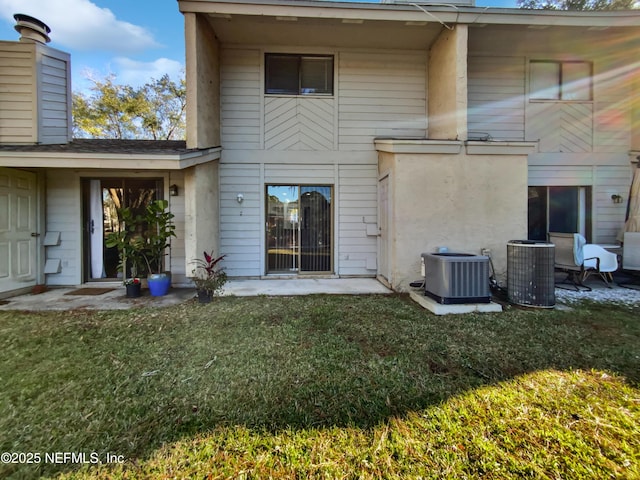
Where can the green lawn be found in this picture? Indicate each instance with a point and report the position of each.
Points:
(321, 387)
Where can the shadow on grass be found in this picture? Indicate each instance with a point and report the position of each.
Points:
(129, 382)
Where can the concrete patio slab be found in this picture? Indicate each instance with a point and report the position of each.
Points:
(58, 298)
(305, 286)
(441, 309)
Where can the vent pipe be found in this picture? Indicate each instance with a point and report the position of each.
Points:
(31, 29)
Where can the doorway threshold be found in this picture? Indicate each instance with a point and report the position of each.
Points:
(298, 276)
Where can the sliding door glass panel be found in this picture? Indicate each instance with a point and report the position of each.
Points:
(299, 235)
(315, 229)
(564, 209)
(283, 236)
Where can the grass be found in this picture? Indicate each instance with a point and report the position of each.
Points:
(323, 387)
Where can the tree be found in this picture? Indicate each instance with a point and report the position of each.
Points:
(155, 111)
(578, 4)
(163, 105)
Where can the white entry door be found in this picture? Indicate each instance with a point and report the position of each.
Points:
(17, 229)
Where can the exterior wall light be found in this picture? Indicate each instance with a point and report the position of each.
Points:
(173, 190)
(240, 198)
(616, 198)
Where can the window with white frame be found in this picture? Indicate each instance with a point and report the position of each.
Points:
(560, 80)
(295, 74)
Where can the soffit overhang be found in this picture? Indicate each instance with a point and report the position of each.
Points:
(371, 25)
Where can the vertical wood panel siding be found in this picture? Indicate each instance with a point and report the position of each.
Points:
(496, 95)
(53, 92)
(17, 93)
(240, 99)
(241, 227)
(295, 123)
(380, 94)
(357, 207)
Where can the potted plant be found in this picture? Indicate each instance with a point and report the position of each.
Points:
(133, 287)
(125, 240)
(208, 278)
(159, 228)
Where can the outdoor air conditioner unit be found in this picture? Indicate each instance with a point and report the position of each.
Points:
(455, 278)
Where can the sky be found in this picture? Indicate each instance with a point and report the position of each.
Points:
(135, 40)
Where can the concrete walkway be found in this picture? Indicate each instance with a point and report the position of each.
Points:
(62, 299)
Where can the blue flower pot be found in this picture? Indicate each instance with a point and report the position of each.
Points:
(159, 284)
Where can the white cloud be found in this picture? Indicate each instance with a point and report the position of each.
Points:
(136, 73)
(82, 25)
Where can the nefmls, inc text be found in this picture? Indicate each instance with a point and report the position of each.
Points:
(60, 457)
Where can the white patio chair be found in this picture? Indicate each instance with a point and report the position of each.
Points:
(599, 261)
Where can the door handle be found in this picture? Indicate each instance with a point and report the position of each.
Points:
(34, 234)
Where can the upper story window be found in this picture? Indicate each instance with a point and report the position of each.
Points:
(560, 81)
(290, 74)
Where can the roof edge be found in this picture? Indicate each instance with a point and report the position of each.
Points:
(408, 12)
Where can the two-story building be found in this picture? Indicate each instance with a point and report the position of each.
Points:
(345, 139)
(360, 135)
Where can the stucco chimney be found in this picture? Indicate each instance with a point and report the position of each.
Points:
(31, 29)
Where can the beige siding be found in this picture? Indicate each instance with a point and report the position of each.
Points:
(180, 266)
(241, 228)
(612, 119)
(294, 174)
(283, 140)
(17, 93)
(496, 93)
(560, 175)
(380, 94)
(296, 123)
(357, 208)
(561, 126)
(609, 217)
(241, 101)
(377, 94)
(63, 215)
(355, 212)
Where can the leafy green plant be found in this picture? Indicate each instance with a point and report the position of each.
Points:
(207, 276)
(157, 234)
(127, 241)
